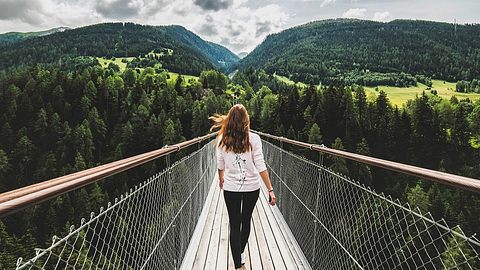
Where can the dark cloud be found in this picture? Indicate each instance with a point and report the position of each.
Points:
(28, 11)
(118, 9)
(183, 11)
(262, 28)
(208, 29)
(154, 6)
(214, 5)
(234, 29)
(233, 46)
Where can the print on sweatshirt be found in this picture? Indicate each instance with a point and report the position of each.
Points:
(239, 161)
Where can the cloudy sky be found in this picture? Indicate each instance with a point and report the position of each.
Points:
(239, 25)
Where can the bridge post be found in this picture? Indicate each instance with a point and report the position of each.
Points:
(170, 196)
(281, 171)
(317, 199)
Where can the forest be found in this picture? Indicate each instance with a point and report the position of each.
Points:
(191, 54)
(62, 112)
(324, 51)
(54, 122)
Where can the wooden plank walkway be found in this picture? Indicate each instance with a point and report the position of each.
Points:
(270, 246)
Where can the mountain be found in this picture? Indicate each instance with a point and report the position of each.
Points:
(326, 49)
(12, 37)
(217, 54)
(188, 53)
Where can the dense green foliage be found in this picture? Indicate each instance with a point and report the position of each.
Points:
(73, 114)
(468, 86)
(324, 51)
(191, 54)
(54, 122)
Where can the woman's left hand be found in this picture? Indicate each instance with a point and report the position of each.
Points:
(273, 198)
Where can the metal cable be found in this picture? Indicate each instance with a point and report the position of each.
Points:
(341, 224)
(146, 222)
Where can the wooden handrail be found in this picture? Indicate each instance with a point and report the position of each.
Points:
(18, 199)
(458, 181)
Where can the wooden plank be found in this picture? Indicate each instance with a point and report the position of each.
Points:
(296, 252)
(283, 247)
(248, 265)
(272, 244)
(298, 255)
(211, 255)
(193, 247)
(265, 256)
(222, 258)
(255, 260)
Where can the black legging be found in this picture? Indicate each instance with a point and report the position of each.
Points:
(240, 208)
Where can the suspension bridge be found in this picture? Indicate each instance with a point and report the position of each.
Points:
(176, 219)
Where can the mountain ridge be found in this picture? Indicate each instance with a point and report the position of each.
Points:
(191, 54)
(330, 48)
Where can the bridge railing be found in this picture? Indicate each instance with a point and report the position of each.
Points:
(342, 224)
(149, 227)
(338, 223)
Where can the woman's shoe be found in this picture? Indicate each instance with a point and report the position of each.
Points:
(242, 258)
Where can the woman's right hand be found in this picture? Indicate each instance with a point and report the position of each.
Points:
(220, 182)
(273, 198)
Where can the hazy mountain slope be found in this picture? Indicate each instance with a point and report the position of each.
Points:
(334, 47)
(214, 52)
(12, 37)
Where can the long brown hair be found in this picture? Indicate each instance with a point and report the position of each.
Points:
(234, 129)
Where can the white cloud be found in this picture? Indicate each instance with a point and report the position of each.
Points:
(327, 2)
(358, 13)
(381, 16)
(241, 29)
(236, 25)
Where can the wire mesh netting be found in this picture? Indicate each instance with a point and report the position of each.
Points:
(148, 228)
(341, 224)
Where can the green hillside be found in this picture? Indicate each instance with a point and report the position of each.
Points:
(191, 53)
(330, 51)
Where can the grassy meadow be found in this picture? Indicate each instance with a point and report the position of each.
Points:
(186, 78)
(399, 95)
(288, 81)
(118, 61)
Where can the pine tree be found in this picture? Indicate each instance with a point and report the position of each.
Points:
(8, 103)
(362, 171)
(268, 114)
(461, 130)
(360, 103)
(314, 135)
(169, 133)
(90, 91)
(23, 158)
(9, 253)
(417, 197)
(339, 164)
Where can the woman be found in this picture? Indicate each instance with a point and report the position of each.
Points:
(240, 162)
